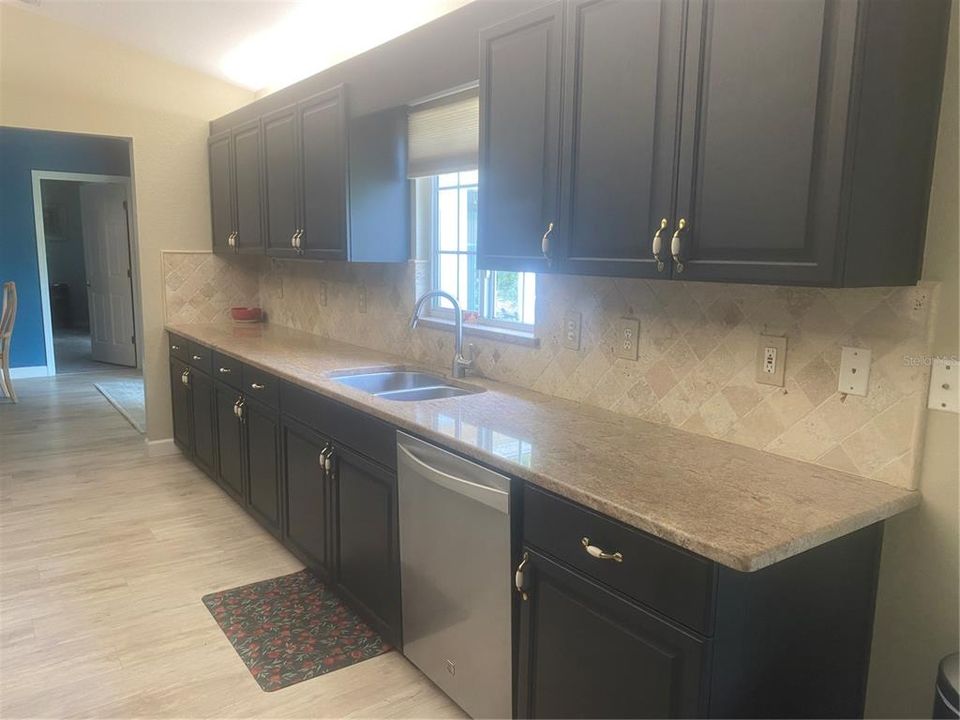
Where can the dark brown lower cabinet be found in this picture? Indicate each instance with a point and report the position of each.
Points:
(204, 438)
(180, 401)
(262, 436)
(229, 441)
(587, 652)
(308, 500)
(369, 551)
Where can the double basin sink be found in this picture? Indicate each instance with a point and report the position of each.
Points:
(403, 385)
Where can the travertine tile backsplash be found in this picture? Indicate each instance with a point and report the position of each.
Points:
(697, 350)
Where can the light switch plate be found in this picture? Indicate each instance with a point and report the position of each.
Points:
(571, 330)
(628, 335)
(854, 371)
(362, 302)
(771, 360)
(944, 385)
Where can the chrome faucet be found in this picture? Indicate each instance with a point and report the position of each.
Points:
(460, 363)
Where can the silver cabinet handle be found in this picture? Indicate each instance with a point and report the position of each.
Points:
(236, 408)
(675, 244)
(185, 377)
(175, 347)
(231, 238)
(545, 242)
(240, 407)
(598, 553)
(197, 357)
(518, 576)
(657, 244)
(257, 386)
(224, 371)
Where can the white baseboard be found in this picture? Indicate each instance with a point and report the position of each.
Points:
(33, 371)
(156, 448)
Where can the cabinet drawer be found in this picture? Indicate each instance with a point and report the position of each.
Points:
(666, 578)
(261, 386)
(228, 370)
(201, 357)
(366, 435)
(179, 347)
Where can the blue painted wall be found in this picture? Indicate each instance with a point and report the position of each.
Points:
(21, 151)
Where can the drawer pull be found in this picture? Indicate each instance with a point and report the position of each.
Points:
(197, 357)
(257, 386)
(225, 371)
(598, 553)
(174, 347)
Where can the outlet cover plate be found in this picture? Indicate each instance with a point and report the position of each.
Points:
(628, 335)
(571, 330)
(944, 385)
(854, 371)
(771, 359)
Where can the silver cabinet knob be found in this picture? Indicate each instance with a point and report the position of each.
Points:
(257, 386)
(224, 371)
(175, 347)
(197, 357)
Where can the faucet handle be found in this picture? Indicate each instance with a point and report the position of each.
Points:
(467, 359)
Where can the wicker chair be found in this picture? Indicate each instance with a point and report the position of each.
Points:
(7, 319)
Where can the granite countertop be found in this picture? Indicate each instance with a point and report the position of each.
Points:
(741, 507)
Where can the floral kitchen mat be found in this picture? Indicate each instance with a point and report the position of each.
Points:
(292, 628)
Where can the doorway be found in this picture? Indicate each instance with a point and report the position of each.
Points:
(87, 272)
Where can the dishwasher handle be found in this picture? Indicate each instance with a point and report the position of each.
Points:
(492, 497)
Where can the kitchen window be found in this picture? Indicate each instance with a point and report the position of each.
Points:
(493, 298)
(441, 157)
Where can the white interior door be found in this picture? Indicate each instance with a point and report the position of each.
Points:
(106, 244)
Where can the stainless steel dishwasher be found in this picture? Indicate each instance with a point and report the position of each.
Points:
(456, 575)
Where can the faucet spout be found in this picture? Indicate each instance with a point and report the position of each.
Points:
(460, 364)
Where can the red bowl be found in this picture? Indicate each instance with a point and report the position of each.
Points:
(245, 314)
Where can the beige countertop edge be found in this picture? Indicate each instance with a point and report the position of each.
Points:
(743, 561)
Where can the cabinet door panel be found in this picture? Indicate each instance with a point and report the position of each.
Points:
(621, 122)
(369, 556)
(263, 463)
(307, 496)
(229, 441)
(182, 410)
(221, 191)
(281, 180)
(519, 140)
(762, 152)
(585, 652)
(247, 177)
(323, 144)
(204, 422)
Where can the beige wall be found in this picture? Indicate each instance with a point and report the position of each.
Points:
(917, 603)
(54, 76)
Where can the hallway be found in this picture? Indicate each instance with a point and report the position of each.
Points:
(104, 556)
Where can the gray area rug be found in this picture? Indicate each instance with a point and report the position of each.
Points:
(127, 397)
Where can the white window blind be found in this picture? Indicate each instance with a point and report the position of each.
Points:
(444, 135)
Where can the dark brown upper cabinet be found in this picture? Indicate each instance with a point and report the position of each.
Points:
(235, 197)
(737, 140)
(520, 141)
(331, 187)
(622, 63)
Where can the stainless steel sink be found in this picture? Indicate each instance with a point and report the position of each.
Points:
(404, 385)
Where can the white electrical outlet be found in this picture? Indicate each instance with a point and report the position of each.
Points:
(854, 371)
(571, 330)
(628, 336)
(944, 385)
(771, 360)
(362, 302)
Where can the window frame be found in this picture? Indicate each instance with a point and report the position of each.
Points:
(431, 186)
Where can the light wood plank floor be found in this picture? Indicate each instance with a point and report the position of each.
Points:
(104, 556)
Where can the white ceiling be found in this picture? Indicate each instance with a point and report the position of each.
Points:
(258, 44)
